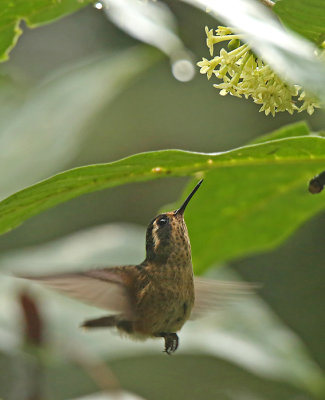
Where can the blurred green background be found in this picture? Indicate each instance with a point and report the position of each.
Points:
(269, 347)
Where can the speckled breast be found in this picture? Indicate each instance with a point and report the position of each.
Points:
(166, 301)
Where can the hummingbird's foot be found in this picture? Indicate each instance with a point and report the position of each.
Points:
(171, 342)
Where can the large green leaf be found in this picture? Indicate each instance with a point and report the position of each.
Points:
(307, 17)
(248, 209)
(252, 199)
(34, 13)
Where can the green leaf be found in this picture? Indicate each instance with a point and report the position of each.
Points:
(256, 195)
(34, 13)
(306, 17)
(251, 209)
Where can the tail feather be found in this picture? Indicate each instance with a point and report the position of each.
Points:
(103, 322)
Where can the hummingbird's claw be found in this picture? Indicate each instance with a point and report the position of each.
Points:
(171, 342)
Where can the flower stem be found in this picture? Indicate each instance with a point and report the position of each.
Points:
(236, 77)
(218, 39)
(237, 53)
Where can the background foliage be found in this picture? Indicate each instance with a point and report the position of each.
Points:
(79, 92)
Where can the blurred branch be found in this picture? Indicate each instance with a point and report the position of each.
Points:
(95, 368)
(33, 340)
(32, 320)
(268, 3)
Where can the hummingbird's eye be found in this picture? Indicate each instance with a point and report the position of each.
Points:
(162, 221)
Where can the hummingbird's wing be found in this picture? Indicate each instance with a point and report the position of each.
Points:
(103, 288)
(211, 294)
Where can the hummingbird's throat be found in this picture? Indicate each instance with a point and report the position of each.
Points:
(172, 245)
(155, 237)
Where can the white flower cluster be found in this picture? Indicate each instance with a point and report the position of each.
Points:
(244, 74)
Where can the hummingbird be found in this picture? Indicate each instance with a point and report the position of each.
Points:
(155, 298)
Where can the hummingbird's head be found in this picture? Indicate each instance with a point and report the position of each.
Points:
(167, 234)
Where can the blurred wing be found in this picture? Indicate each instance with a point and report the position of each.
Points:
(211, 294)
(103, 288)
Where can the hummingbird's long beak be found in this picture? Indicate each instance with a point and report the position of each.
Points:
(183, 206)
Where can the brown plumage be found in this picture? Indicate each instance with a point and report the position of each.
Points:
(154, 298)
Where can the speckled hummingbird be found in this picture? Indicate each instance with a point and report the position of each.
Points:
(152, 299)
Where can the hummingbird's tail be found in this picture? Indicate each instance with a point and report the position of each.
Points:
(109, 322)
(103, 322)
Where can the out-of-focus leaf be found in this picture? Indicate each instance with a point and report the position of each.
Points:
(99, 246)
(117, 395)
(293, 277)
(143, 376)
(246, 333)
(47, 130)
(290, 55)
(218, 378)
(12, 94)
(307, 17)
(256, 195)
(152, 23)
(34, 13)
